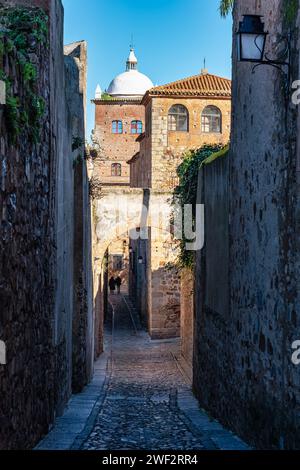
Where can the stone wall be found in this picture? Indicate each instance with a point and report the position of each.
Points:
(115, 213)
(154, 284)
(212, 328)
(100, 308)
(187, 316)
(139, 276)
(116, 148)
(26, 278)
(164, 286)
(243, 358)
(141, 164)
(38, 275)
(161, 150)
(75, 88)
(62, 211)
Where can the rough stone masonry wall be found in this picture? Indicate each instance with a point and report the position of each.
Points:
(139, 274)
(187, 316)
(75, 88)
(116, 148)
(26, 278)
(164, 285)
(212, 327)
(141, 167)
(167, 147)
(244, 365)
(36, 254)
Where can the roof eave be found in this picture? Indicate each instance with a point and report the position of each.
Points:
(190, 95)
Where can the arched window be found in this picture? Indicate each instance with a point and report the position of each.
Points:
(116, 169)
(117, 127)
(136, 127)
(178, 118)
(211, 120)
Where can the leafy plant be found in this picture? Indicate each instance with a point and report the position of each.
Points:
(105, 96)
(95, 188)
(186, 192)
(29, 72)
(12, 113)
(77, 142)
(226, 7)
(23, 31)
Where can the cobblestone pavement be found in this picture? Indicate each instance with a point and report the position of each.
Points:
(147, 402)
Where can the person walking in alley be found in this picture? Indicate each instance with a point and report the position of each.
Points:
(118, 284)
(112, 285)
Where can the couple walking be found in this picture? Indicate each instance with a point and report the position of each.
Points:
(115, 283)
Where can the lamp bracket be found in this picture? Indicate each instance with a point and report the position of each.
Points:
(282, 61)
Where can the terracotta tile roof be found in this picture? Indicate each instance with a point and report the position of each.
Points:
(116, 100)
(198, 85)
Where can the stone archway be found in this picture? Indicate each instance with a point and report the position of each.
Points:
(155, 282)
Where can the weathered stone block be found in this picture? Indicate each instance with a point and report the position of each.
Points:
(2, 92)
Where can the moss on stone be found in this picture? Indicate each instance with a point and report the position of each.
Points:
(291, 11)
(22, 33)
(214, 156)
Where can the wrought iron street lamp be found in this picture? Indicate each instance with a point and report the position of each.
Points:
(252, 41)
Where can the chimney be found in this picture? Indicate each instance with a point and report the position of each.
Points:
(204, 71)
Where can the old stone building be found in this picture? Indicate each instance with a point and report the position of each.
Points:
(151, 135)
(182, 115)
(247, 294)
(46, 319)
(119, 123)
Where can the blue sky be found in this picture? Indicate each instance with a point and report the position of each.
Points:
(171, 38)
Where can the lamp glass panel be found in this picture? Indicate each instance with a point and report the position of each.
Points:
(252, 46)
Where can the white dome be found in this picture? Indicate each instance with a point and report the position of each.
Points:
(130, 83)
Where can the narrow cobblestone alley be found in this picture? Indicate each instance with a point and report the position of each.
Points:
(147, 402)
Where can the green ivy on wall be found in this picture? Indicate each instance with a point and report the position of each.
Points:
(22, 32)
(186, 191)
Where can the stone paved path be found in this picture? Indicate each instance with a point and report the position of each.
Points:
(146, 402)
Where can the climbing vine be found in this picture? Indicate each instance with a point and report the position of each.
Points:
(22, 32)
(77, 142)
(95, 188)
(290, 11)
(186, 192)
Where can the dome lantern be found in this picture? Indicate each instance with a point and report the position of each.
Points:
(132, 62)
(131, 83)
(98, 93)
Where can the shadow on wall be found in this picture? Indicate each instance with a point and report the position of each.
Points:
(165, 302)
(44, 325)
